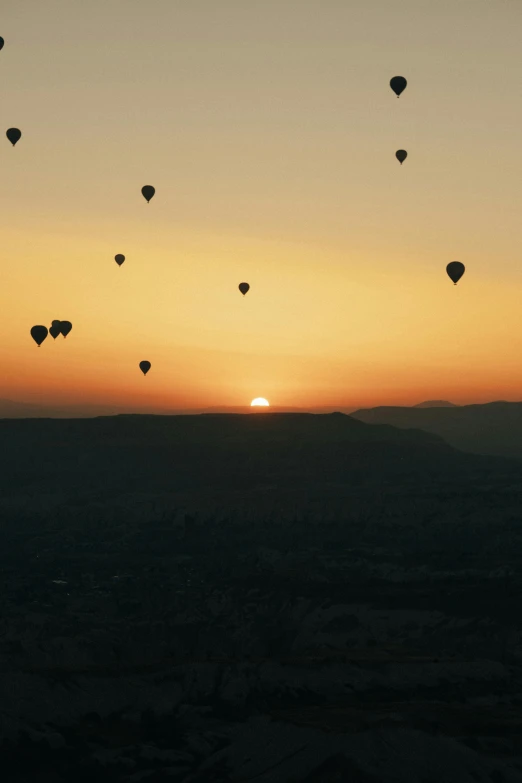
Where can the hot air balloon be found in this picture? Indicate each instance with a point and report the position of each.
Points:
(401, 156)
(243, 287)
(455, 271)
(65, 327)
(55, 329)
(148, 192)
(119, 259)
(145, 367)
(398, 84)
(39, 333)
(14, 135)
(1, 42)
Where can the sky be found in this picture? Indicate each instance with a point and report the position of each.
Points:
(269, 131)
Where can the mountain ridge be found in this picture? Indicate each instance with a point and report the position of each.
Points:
(481, 428)
(216, 454)
(435, 404)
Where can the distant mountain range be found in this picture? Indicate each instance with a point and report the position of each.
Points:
(220, 454)
(9, 409)
(436, 404)
(492, 428)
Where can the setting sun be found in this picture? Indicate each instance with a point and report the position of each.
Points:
(259, 401)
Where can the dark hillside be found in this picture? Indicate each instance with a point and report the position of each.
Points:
(493, 428)
(119, 454)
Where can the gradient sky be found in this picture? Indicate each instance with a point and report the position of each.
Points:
(269, 131)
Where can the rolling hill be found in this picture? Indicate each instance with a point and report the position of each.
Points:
(436, 404)
(219, 454)
(493, 428)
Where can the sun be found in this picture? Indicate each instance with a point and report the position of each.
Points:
(259, 401)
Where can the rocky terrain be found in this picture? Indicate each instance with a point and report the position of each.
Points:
(357, 630)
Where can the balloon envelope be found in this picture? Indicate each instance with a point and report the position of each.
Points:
(243, 287)
(148, 192)
(65, 327)
(14, 135)
(455, 271)
(145, 367)
(401, 156)
(55, 329)
(1, 42)
(39, 333)
(119, 259)
(398, 84)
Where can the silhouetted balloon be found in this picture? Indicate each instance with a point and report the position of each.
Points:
(145, 367)
(455, 271)
(401, 156)
(39, 333)
(65, 327)
(398, 84)
(14, 135)
(119, 259)
(243, 287)
(1, 43)
(55, 329)
(148, 192)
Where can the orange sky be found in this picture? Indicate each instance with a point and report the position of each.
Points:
(269, 131)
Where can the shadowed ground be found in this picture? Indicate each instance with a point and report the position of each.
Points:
(279, 598)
